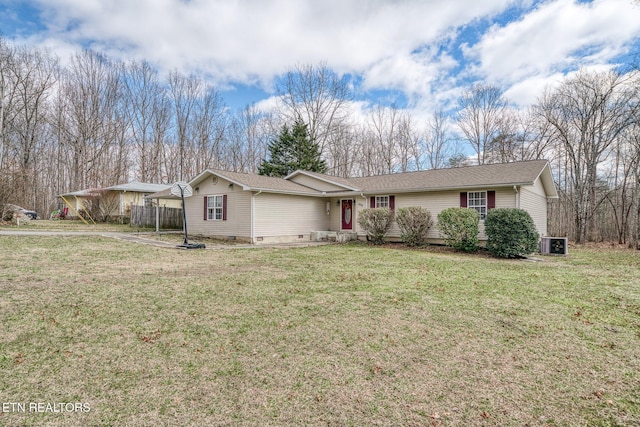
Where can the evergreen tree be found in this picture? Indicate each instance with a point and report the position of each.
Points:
(292, 150)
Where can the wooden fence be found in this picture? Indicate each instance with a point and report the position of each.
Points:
(145, 216)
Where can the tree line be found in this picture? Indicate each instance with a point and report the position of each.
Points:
(95, 122)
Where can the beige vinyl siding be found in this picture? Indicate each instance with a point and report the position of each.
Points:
(238, 223)
(536, 204)
(505, 198)
(434, 202)
(437, 201)
(287, 215)
(335, 215)
(315, 183)
(537, 188)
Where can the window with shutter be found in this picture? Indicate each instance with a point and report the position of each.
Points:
(478, 200)
(382, 202)
(216, 209)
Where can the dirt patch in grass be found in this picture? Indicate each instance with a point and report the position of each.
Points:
(331, 335)
(178, 238)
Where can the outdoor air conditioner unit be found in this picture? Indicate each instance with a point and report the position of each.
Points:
(554, 246)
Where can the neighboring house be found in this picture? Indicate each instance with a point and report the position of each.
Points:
(115, 201)
(303, 205)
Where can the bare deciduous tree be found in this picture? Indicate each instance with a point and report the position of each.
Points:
(589, 112)
(437, 141)
(209, 125)
(319, 97)
(383, 127)
(145, 101)
(183, 91)
(90, 96)
(28, 75)
(481, 118)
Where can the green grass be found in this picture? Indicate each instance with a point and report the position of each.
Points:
(73, 225)
(331, 335)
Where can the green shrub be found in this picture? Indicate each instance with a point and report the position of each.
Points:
(414, 223)
(459, 227)
(510, 233)
(376, 222)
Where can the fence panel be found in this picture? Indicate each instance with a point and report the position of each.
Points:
(145, 216)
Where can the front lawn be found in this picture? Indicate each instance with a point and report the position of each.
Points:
(72, 225)
(330, 335)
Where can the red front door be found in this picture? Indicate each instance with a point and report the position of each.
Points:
(347, 214)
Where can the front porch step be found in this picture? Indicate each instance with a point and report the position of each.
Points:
(333, 236)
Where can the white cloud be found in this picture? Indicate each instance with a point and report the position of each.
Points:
(253, 40)
(527, 91)
(556, 36)
(409, 46)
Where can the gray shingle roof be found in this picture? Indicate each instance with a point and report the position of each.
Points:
(260, 182)
(139, 187)
(485, 176)
(164, 194)
(494, 175)
(336, 180)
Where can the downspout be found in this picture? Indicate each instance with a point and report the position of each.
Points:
(253, 237)
(515, 188)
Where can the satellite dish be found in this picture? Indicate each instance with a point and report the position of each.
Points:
(182, 190)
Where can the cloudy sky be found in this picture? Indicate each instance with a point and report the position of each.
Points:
(417, 53)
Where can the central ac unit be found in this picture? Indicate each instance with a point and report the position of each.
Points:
(554, 246)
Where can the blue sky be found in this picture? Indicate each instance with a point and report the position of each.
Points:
(419, 54)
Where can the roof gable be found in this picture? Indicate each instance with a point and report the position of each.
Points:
(321, 182)
(249, 181)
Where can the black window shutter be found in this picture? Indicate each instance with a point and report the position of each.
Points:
(205, 208)
(224, 207)
(372, 204)
(463, 199)
(491, 199)
(392, 203)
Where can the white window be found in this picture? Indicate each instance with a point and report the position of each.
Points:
(214, 207)
(478, 200)
(382, 201)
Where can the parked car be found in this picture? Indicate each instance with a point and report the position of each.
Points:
(30, 214)
(9, 211)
